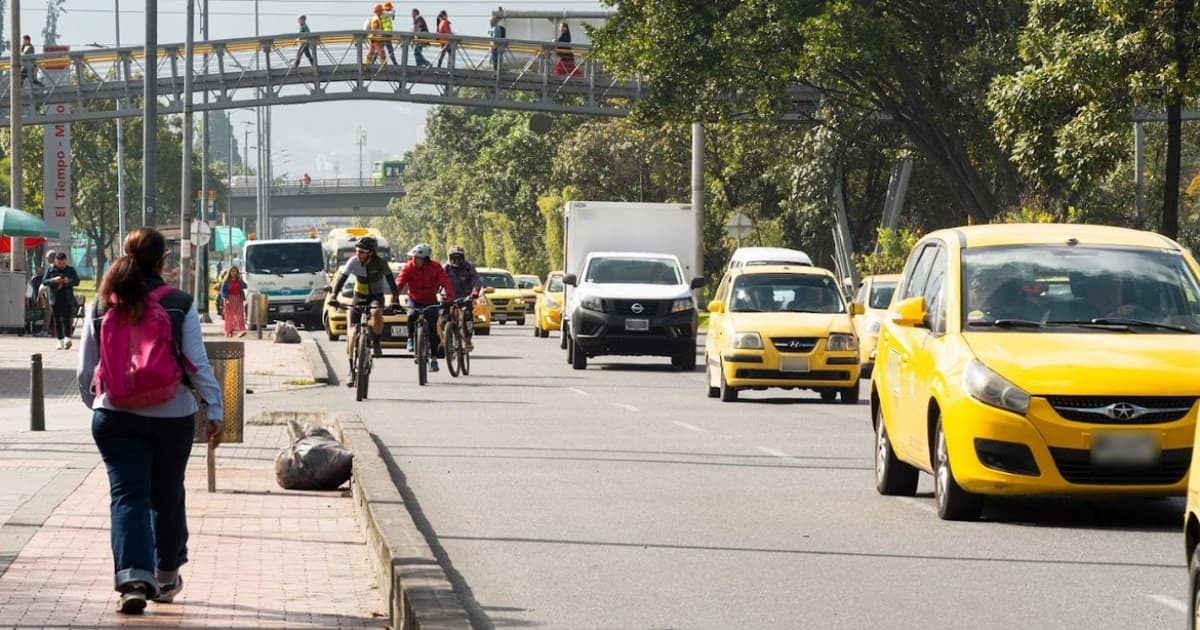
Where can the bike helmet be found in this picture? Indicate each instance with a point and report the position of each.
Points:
(421, 251)
(457, 250)
(379, 8)
(367, 243)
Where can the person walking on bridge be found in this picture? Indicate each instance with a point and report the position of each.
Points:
(419, 26)
(375, 26)
(496, 30)
(305, 49)
(388, 20)
(443, 27)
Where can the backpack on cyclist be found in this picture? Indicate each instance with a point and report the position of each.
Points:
(141, 364)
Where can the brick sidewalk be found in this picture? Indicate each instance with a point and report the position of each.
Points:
(261, 557)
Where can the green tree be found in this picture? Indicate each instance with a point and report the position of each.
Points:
(1089, 66)
(890, 256)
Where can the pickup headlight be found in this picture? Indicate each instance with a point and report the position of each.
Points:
(684, 304)
(992, 389)
(841, 342)
(747, 341)
(591, 304)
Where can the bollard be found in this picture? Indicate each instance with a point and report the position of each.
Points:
(263, 303)
(227, 359)
(37, 399)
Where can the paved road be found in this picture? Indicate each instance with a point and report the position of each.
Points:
(621, 497)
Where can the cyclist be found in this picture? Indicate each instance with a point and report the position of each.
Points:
(372, 277)
(465, 280)
(423, 275)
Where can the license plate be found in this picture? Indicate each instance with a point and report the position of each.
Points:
(1125, 449)
(286, 308)
(794, 364)
(397, 331)
(500, 317)
(637, 324)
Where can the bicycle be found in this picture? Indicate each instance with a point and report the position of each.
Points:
(422, 349)
(454, 338)
(362, 356)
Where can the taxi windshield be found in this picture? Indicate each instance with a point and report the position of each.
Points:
(1041, 287)
(786, 293)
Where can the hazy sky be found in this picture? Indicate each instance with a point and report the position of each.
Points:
(316, 138)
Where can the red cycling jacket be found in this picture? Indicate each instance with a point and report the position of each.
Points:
(423, 283)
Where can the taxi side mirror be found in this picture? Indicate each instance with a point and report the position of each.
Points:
(489, 289)
(857, 309)
(716, 306)
(538, 290)
(910, 312)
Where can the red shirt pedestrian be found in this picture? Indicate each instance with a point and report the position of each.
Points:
(423, 282)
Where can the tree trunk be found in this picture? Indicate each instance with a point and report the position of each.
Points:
(1170, 208)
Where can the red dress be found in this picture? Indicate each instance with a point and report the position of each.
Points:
(235, 314)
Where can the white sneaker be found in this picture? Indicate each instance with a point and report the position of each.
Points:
(60, 344)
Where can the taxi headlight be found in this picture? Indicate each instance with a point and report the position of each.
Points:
(747, 341)
(989, 388)
(551, 303)
(841, 342)
(684, 304)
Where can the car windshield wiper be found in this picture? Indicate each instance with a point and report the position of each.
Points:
(1008, 323)
(1123, 321)
(746, 310)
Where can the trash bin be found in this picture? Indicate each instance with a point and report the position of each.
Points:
(228, 360)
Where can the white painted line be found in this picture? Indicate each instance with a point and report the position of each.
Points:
(690, 427)
(579, 391)
(625, 407)
(1169, 602)
(919, 504)
(774, 453)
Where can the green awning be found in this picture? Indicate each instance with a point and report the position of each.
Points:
(223, 236)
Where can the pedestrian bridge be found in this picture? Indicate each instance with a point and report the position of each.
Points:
(320, 198)
(98, 84)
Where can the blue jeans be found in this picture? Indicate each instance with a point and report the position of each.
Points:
(146, 459)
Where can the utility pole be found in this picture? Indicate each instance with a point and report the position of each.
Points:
(16, 198)
(362, 139)
(185, 206)
(120, 143)
(150, 118)
(202, 261)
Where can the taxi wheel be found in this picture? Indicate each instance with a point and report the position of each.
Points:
(892, 476)
(521, 322)
(828, 395)
(728, 394)
(849, 396)
(483, 331)
(953, 503)
(1194, 588)
(713, 392)
(537, 331)
(329, 331)
(545, 333)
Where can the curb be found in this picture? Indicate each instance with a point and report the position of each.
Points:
(315, 358)
(419, 594)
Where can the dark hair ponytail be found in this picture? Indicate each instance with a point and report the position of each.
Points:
(124, 286)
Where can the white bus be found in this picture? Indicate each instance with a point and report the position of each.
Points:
(339, 245)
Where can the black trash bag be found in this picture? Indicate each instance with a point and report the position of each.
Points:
(315, 460)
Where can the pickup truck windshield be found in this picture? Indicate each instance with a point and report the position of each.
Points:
(632, 271)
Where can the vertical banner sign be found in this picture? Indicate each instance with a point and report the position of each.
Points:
(56, 163)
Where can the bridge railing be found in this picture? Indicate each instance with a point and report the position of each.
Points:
(318, 187)
(239, 72)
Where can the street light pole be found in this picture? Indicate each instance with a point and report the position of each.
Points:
(150, 118)
(202, 261)
(185, 206)
(120, 145)
(15, 195)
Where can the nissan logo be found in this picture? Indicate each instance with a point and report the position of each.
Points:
(637, 308)
(1124, 411)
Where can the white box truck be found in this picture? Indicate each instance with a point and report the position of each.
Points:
(629, 271)
(291, 273)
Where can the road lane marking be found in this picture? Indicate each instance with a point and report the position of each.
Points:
(919, 504)
(1169, 602)
(625, 407)
(690, 427)
(579, 391)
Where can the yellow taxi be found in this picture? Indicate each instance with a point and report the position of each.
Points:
(547, 312)
(874, 295)
(506, 302)
(529, 285)
(1038, 359)
(781, 326)
(483, 314)
(395, 325)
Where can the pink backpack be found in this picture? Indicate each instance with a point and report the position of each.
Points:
(139, 363)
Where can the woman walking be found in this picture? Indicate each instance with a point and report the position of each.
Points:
(443, 27)
(233, 293)
(141, 349)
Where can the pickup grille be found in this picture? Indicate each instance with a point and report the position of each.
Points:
(636, 308)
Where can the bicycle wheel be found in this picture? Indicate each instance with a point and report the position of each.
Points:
(422, 347)
(453, 348)
(363, 369)
(464, 363)
(353, 362)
